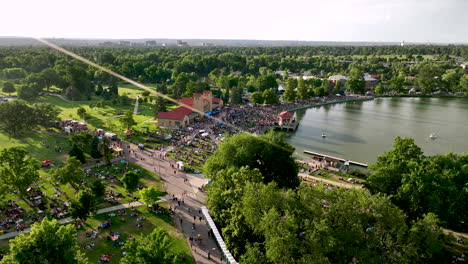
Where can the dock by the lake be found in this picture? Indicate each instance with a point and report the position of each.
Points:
(347, 162)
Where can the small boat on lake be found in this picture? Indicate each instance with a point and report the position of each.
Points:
(324, 135)
(433, 136)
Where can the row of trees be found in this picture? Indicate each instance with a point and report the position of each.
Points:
(181, 72)
(266, 216)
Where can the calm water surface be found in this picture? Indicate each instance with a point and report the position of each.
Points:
(361, 131)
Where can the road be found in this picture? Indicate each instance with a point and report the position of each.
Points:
(185, 187)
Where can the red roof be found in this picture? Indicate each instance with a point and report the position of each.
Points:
(178, 113)
(187, 100)
(197, 95)
(216, 100)
(376, 76)
(286, 114)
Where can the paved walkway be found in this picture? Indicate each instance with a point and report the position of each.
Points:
(184, 187)
(69, 219)
(340, 184)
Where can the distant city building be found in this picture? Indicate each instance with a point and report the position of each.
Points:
(181, 43)
(150, 43)
(124, 43)
(107, 43)
(402, 44)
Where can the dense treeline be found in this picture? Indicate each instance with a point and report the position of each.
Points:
(182, 71)
(421, 184)
(265, 219)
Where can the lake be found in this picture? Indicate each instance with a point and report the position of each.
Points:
(360, 131)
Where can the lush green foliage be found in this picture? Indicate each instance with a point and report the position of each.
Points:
(153, 248)
(130, 180)
(18, 117)
(421, 185)
(84, 205)
(18, 171)
(48, 242)
(268, 152)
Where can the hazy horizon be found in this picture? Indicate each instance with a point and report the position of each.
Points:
(416, 21)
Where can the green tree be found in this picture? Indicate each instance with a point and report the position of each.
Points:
(397, 84)
(428, 77)
(270, 97)
(450, 79)
(45, 114)
(105, 150)
(356, 81)
(71, 173)
(82, 140)
(18, 170)
(268, 152)
(127, 120)
(77, 152)
(256, 98)
(150, 195)
(302, 89)
(289, 93)
(379, 89)
(28, 91)
(390, 167)
(130, 180)
(94, 148)
(224, 196)
(81, 112)
(49, 77)
(84, 206)
(8, 87)
(157, 247)
(48, 242)
(464, 83)
(98, 188)
(266, 82)
(16, 117)
(159, 105)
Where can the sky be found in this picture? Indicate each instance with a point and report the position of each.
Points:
(435, 21)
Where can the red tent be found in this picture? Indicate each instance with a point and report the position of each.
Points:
(46, 163)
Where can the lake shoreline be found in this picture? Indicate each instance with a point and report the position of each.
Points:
(337, 101)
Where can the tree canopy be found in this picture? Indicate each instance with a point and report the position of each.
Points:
(153, 248)
(48, 242)
(268, 152)
(421, 184)
(18, 170)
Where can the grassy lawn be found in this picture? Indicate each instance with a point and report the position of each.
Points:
(128, 228)
(32, 143)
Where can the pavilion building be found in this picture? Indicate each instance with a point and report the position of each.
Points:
(183, 116)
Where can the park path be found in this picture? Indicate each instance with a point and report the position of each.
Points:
(186, 188)
(69, 219)
(340, 184)
(135, 110)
